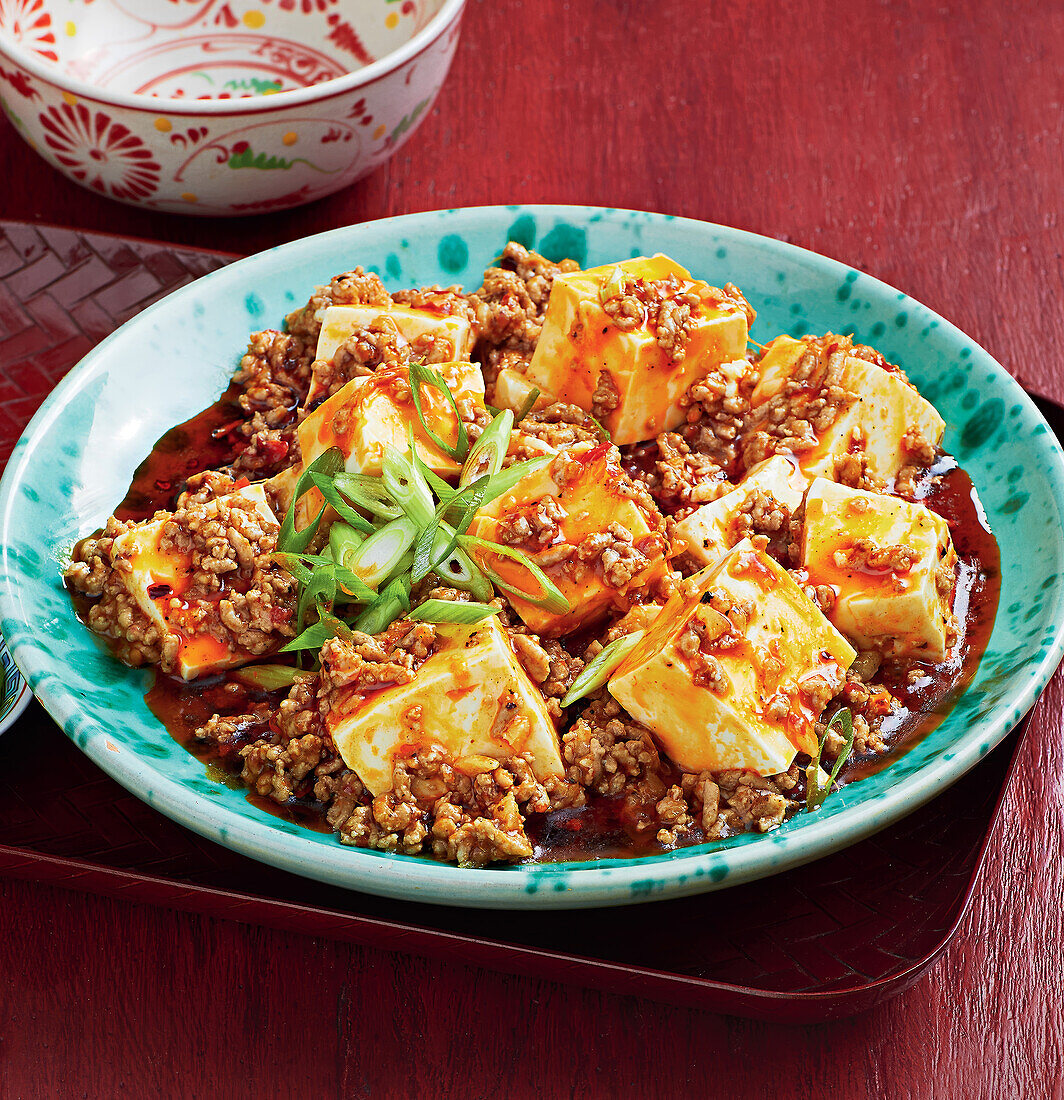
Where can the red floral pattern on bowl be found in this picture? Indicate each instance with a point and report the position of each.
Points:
(221, 106)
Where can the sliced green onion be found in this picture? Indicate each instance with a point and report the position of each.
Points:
(602, 667)
(487, 454)
(452, 611)
(817, 792)
(420, 375)
(455, 567)
(612, 286)
(430, 551)
(351, 587)
(528, 404)
(602, 431)
(314, 637)
(319, 590)
(289, 540)
(268, 677)
(368, 492)
(386, 608)
(294, 564)
(327, 488)
(505, 480)
(344, 542)
(407, 486)
(376, 559)
(550, 597)
(436, 483)
(339, 627)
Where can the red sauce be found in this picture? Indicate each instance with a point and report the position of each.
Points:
(184, 707)
(927, 702)
(205, 442)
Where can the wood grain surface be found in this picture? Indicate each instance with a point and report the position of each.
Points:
(922, 143)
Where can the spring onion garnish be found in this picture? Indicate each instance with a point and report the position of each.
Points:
(368, 492)
(548, 598)
(390, 532)
(420, 375)
(603, 432)
(613, 285)
(407, 486)
(457, 568)
(386, 608)
(505, 480)
(528, 404)
(315, 635)
(375, 560)
(602, 667)
(290, 540)
(427, 555)
(319, 591)
(452, 611)
(487, 454)
(816, 792)
(268, 677)
(327, 487)
(436, 483)
(344, 542)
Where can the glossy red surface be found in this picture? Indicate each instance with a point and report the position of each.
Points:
(919, 143)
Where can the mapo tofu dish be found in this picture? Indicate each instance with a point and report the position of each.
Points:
(563, 568)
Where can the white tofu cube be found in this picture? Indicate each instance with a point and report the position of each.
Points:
(708, 533)
(569, 507)
(880, 411)
(513, 389)
(738, 689)
(580, 343)
(450, 336)
(376, 411)
(158, 580)
(891, 564)
(471, 697)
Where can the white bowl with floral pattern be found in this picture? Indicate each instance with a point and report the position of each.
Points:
(221, 107)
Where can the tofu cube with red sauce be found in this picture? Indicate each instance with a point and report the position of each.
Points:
(433, 337)
(890, 565)
(709, 532)
(377, 410)
(159, 577)
(736, 669)
(869, 412)
(626, 341)
(471, 697)
(594, 533)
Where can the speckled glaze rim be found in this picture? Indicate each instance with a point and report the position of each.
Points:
(450, 11)
(1022, 672)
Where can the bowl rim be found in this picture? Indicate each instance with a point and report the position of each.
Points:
(680, 872)
(449, 13)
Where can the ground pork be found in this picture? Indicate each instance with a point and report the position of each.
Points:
(353, 288)
(669, 307)
(470, 812)
(510, 304)
(274, 376)
(363, 352)
(559, 426)
(808, 403)
(448, 301)
(235, 592)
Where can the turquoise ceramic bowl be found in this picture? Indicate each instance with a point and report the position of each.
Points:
(77, 457)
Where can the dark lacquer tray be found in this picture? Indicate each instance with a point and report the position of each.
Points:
(822, 941)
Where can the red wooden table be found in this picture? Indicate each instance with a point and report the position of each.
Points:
(921, 143)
